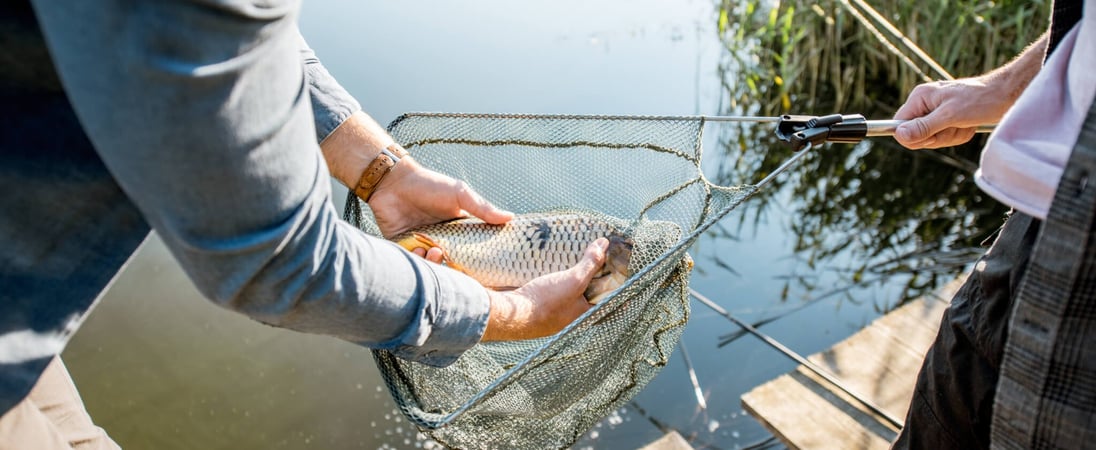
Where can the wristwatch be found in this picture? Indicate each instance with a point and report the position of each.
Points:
(377, 169)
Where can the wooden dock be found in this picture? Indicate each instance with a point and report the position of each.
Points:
(879, 363)
(669, 441)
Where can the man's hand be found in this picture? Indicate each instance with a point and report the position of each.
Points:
(547, 304)
(411, 196)
(946, 113)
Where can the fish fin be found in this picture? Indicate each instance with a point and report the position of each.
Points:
(445, 259)
(420, 240)
(502, 288)
(417, 240)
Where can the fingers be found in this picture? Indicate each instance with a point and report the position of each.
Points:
(592, 260)
(546, 304)
(916, 131)
(935, 115)
(434, 255)
(918, 103)
(920, 132)
(479, 207)
(923, 119)
(945, 137)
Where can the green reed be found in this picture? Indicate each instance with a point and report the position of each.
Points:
(891, 212)
(803, 44)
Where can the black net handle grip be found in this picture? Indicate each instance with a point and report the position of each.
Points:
(843, 128)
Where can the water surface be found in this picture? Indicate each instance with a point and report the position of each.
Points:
(159, 367)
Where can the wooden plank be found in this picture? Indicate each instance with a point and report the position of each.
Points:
(804, 413)
(669, 441)
(885, 357)
(879, 363)
(876, 368)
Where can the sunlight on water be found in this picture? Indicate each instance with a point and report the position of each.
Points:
(159, 367)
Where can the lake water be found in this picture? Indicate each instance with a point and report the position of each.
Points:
(159, 367)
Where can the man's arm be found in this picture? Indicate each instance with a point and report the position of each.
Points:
(201, 112)
(351, 140)
(411, 195)
(946, 113)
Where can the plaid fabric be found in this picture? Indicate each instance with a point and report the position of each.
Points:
(1046, 395)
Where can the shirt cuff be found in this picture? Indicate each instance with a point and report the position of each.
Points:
(452, 320)
(331, 103)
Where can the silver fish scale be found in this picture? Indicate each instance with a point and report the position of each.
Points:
(527, 247)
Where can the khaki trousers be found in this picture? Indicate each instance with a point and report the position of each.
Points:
(52, 417)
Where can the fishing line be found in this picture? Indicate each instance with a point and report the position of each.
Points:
(697, 391)
(798, 358)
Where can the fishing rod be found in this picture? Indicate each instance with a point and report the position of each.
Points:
(806, 132)
(798, 358)
(845, 128)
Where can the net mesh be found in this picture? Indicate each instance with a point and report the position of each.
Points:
(546, 393)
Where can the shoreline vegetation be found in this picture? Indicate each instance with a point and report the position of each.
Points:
(870, 212)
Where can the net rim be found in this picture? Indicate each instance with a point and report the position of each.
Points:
(411, 406)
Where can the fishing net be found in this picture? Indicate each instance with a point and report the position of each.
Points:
(641, 171)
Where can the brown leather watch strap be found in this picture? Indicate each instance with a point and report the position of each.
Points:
(377, 169)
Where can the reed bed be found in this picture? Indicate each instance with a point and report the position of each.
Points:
(891, 212)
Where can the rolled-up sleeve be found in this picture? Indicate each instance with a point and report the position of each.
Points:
(331, 103)
(201, 111)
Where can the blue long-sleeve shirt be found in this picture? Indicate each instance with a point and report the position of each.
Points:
(199, 119)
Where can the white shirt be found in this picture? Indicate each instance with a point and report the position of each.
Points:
(1026, 155)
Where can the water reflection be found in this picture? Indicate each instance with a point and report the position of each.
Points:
(865, 212)
(162, 368)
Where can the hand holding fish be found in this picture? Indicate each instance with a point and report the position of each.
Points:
(547, 304)
(408, 196)
(412, 196)
(541, 270)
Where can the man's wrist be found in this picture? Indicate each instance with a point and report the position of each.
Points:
(353, 146)
(371, 177)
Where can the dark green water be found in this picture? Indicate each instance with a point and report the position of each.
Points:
(845, 236)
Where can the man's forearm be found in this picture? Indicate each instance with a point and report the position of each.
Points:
(349, 138)
(352, 146)
(1011, 79)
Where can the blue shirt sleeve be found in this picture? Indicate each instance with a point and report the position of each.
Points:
(203, 112)
(331, 103)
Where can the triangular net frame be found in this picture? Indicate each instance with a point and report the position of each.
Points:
(641, 170)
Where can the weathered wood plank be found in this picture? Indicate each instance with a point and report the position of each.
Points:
(879, 363)
(803, 412)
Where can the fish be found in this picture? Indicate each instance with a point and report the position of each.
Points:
(505, 257)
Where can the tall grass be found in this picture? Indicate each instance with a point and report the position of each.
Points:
(825, 47)
(891, 212)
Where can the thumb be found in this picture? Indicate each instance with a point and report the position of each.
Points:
(479, 207)
(592, 260)
(920, 131)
